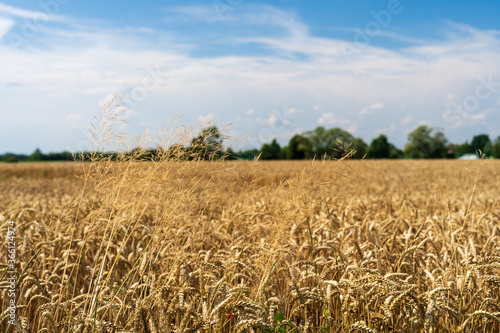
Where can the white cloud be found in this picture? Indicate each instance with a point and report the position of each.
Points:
(287, 134)
(272, 119)
(34, 18)
(199, 13)
(406, 120)
(277, 118)
(369, 110)
(353, 128)
(364, 111)
(385, 130)
(376, 106)
(18, 12)
(76, 121)
(73, 117)
(106, 100)
(328, 118)
(478, 116)
(250, 112)
(206, 118)
(5, 25)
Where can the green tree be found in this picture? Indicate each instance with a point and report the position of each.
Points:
(270, 151)
(379, 147)
(36, 155)
(426, 142)
(496, 148)
(230, 155)
(299, 148)
(11, 159)
(207, 145)
(358, 145)
(462, 149)
(479, 142)
(248, 154)
(63, 156)
(175, 152)
(282, 154)
(394, 152)
(488, 149)
(275, 149)
(451, 150)
(328, 143)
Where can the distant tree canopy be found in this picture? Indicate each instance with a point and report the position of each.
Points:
(328, 142)
(270, 151)
(299, 148)
(207, 145)
(12, 158)
(481, 143)
(36, 156)
(359, 148)
(426, 142)
(248, 154)
(462, 149)
(395, 152)
(333, 143)
(379, 148)
(495, 149)
(319, 143)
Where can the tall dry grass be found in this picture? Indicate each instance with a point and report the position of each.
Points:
(185, 246)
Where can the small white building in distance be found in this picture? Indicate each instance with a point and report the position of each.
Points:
(468, 157)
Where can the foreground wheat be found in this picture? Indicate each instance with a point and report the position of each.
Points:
(254, 247)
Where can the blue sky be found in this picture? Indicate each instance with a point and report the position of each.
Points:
(272, 69)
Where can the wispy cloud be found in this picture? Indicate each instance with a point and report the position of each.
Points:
(5, 26)
(39, 16)
(376, 106)
(384, 33)
(17, 12)
(192, 13)
(328, 118)
(406, 120)
(369, 109)
(478, 116)
(205, 118)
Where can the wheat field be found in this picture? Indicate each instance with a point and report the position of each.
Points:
(192, 246)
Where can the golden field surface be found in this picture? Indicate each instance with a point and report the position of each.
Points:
(324, 246)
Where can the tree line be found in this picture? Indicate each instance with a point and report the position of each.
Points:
(37, 156)
(424, 142)
(207, 145)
